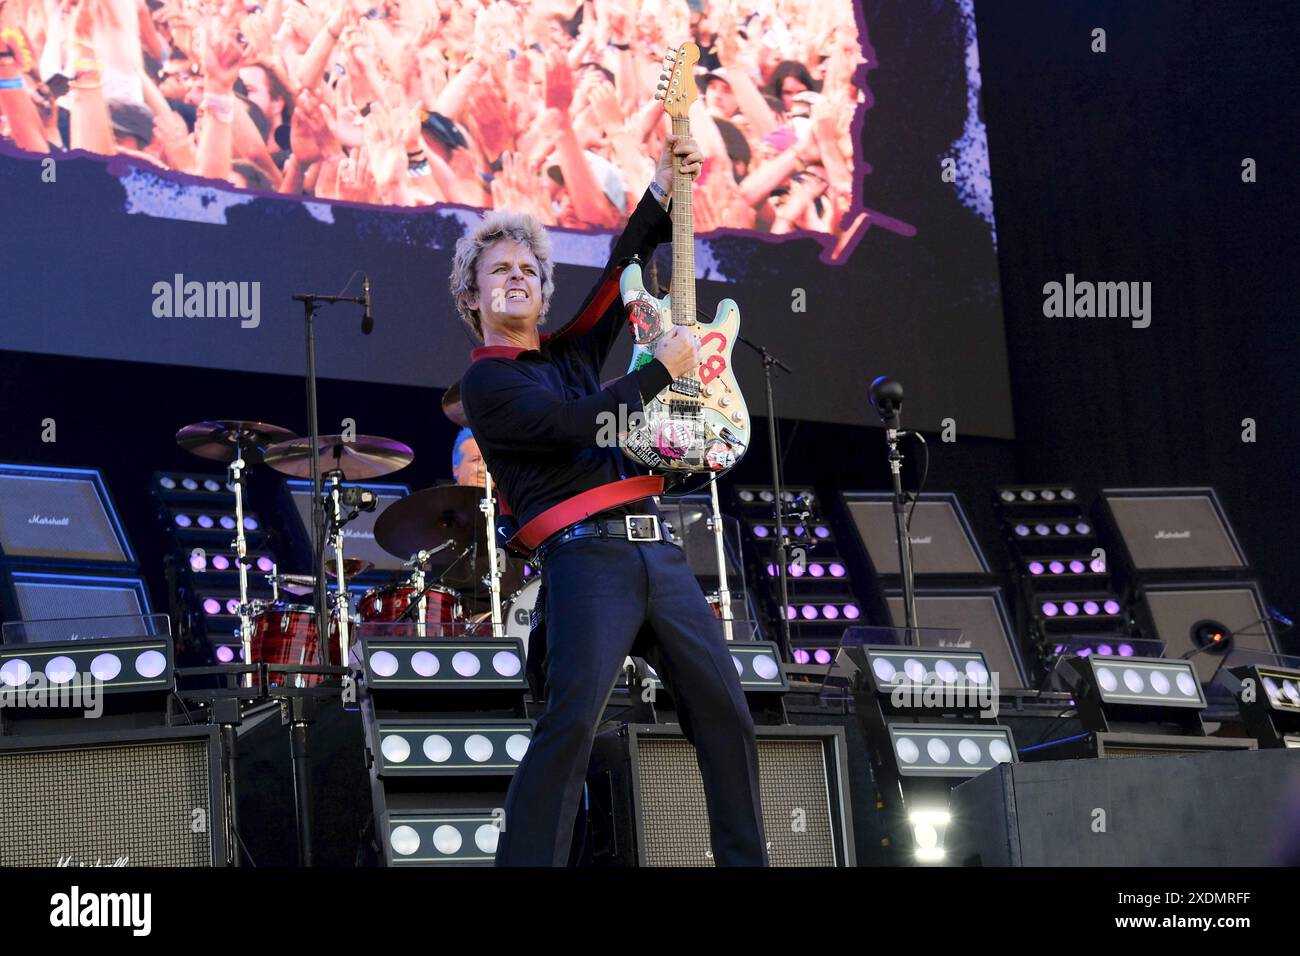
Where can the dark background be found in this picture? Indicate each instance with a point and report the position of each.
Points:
(1122, 166)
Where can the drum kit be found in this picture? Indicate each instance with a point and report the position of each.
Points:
(442, 534)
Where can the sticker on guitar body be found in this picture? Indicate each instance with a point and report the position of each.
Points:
(714, 365)
(644, 319)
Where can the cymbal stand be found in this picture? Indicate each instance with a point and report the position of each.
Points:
(335, 479)
(236, 477)
(488, 507)
(724, 593)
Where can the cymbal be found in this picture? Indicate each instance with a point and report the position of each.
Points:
(358, 457)
(306, 583)
(446, 514)
(453, 407)
(433, 516)
(221, 438)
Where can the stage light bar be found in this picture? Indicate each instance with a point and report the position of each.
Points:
(441, 838)
(1269, 701)
(214, 490)
(1054, 530)
(1106, 645)
(948, 750)
(891, 667)
(197, 520)
(823, 611)
(759, 665)
(1142, 681)
(449, 747)
(223, 561)
(1062, 567)
(820, 570)
(491, 663)
(1031, 496)
(119, 665)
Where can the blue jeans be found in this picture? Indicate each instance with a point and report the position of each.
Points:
(598, 594)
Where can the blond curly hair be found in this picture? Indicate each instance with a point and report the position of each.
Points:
(499, 225)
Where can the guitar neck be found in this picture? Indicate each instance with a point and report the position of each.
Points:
(683, 288)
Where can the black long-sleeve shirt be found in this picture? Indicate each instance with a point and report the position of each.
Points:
(537, 413)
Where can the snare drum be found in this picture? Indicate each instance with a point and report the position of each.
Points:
(286, 634)
(389, 603)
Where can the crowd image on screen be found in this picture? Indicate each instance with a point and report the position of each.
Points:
(544, 106)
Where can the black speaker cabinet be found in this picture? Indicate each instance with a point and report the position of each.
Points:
(647, 798)
(127, 798)
(980, 613)
(1172, 530)
(1205, 809)
(943, 544)
(1181, 615)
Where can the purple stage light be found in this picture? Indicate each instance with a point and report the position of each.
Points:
(771, 570)
(822, 531)
(1126, 650)
(790, 613)
(183, 521)
(1091, 607)
(1056, 567)
(760, 531)
(1070, 608)
(837, 570)
(816, 570)
(1076, 567)
(265, 564)
(250, 524)
(205, 521)
(795, 570)
(809, 612)
(1050, 609)
(232, 606)
(1105, 650)
(830, 612)
(852, 612)
(220, 562)
(822, 656)
(1062, 528)
(1098, 566)
(1042, 529)
(1022, 530)
(1035, 567)
(1111, 607)
(211, 606)
(1058, 649)
(1085, 652)
(1083, 527)
(228, 522)
(801, 656)
(198, 562)
(225, 654)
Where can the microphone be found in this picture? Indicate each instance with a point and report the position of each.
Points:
(367, 320)
(887, 398)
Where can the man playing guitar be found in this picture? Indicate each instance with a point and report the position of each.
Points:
(611, 584)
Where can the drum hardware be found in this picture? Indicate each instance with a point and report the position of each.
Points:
(232, 441)
(488, 507)
(724, 594)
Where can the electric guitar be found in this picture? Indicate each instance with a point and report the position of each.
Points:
(698, 427)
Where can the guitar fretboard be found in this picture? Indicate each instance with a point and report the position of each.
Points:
(683, 294)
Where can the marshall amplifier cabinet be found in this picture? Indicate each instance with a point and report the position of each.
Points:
(944, 547)
(60, 517)
(359, 533)
(125, 798)
(1216, 624)
(1171, 531)
(64, 602)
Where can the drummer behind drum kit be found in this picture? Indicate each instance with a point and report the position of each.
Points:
(441, 533)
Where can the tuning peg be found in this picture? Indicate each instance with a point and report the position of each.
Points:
(659, 96)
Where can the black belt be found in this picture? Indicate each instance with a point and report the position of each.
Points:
(641, 527)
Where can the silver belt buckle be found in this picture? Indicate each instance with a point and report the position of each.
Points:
(642, 527)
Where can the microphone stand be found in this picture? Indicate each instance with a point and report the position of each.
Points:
(782, 546)
(887, 397)
(302, 709)
(309, 301)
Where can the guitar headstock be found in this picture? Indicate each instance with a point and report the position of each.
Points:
(677, 81)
